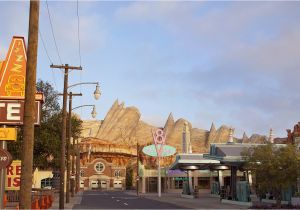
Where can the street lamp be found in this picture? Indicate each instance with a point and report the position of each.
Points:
(97, 94)
(93, 113)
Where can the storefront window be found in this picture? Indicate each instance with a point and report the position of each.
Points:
(204, 182)
(179, 182)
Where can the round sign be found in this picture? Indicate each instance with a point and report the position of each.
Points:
(5, 158)
(167, 150)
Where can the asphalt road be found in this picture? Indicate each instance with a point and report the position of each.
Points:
(119, 200)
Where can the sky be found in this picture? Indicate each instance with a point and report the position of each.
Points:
(234, 63)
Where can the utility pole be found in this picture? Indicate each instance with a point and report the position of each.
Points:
(63, 133)
(68, 150)
(77, 167)
(137, 169)
(29, 107)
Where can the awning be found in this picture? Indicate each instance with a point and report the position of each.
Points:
(193, 162)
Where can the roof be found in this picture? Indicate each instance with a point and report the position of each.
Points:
(220, 156)
(192, 162)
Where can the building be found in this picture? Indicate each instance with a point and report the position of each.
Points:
(103, 164)
(100, 174)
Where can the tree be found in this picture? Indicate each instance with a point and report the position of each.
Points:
(275, 168)
(129, 177)
(47, 135)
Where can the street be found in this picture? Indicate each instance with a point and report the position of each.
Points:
(119, 200)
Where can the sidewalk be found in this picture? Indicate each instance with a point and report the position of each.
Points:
(55, 205)
(205, 201)
(73, 201)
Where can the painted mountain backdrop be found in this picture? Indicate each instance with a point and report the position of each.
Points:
(122, 125)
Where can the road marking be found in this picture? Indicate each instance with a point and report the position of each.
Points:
(127, 198)
(118, 200)
(96, 194)
(125, 204)
(112, 197)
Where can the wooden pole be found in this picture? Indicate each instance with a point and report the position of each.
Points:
(29, 107)
(63, 133)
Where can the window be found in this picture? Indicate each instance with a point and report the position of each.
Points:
(81, 173)
(46, 182)
(99, 167)
(117, 173)
(204, 182)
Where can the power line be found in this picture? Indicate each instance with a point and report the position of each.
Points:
(79, 48)
(44, 45)
(53, 33)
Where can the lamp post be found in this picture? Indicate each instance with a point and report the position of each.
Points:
(93, 113)
(97, 95)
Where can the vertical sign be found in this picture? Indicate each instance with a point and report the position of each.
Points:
(13, 176)
(159, 139)
(13, 72)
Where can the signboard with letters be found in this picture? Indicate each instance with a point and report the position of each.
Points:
(13, 73)
(12, 86)
(11, 112)
(13, 176)
(166, 150)
(8, 134)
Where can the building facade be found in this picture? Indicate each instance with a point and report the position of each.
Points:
(100, 174)
(103, 164)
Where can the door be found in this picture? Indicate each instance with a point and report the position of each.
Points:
(94, 184)
(117, 184)
(81, 184)
(103, 185)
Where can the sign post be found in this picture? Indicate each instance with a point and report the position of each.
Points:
(2, 178)
(159, 139)
(159, 149)
(12, 99)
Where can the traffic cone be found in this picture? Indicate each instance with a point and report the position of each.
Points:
(36, 206)
(42, 203)
(47, 201)
(4, 200)
(50, 201)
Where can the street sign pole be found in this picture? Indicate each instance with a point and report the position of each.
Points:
(3, 145)
(159, 178)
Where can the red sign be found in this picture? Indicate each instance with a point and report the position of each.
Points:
(12, 111)
(5, 158)
(13, 176)
(13, 72)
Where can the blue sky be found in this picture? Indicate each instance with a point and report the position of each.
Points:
(233, 63)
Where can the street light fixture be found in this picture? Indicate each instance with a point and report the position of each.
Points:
(97, 92)
(96, 95)
(94, 113)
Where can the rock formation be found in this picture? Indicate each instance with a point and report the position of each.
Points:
(122, 126)
(119, 124)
